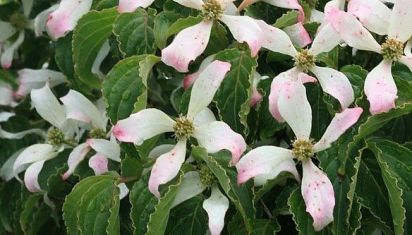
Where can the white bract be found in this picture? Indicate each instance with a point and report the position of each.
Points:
(6, 95)
(199, 123)
(132, 5)
(36, 78)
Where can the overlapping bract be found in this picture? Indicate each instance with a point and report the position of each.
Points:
(267, 162)
(211, 134)
(380, 87)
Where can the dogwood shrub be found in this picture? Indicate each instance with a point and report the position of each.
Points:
(205, 117)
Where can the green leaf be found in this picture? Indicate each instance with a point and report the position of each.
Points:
(368, 127)
(320, 115)
(280, 179)
(371, 189)
(348, 161)
(262, 10)
(282, 198)
(395, 199)
(162, 23)
(312, 29)
(403, 80)
(34, 215)
(91, 32)
(102, 4)
(134, 31)
(370, 224)
(330, 58)
(260, 226)
(143, 203)
(396, 164)
(131, 167)
(287, 19)
(355, 215)
(188, 218)
(9, 193)
(398, 130)
(93, 206)
(50, 178)
(241, 196)
(265, 226)
(125, 88)
(218, 40)
(233, 97)
(311, 3)
(64, 56)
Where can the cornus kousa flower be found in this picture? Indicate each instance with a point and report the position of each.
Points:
(380, 87)
(332, 81)
(60, 136)
(81, 109)
(192, 41)
(267, 162)
(65, 17)
(198, 123)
